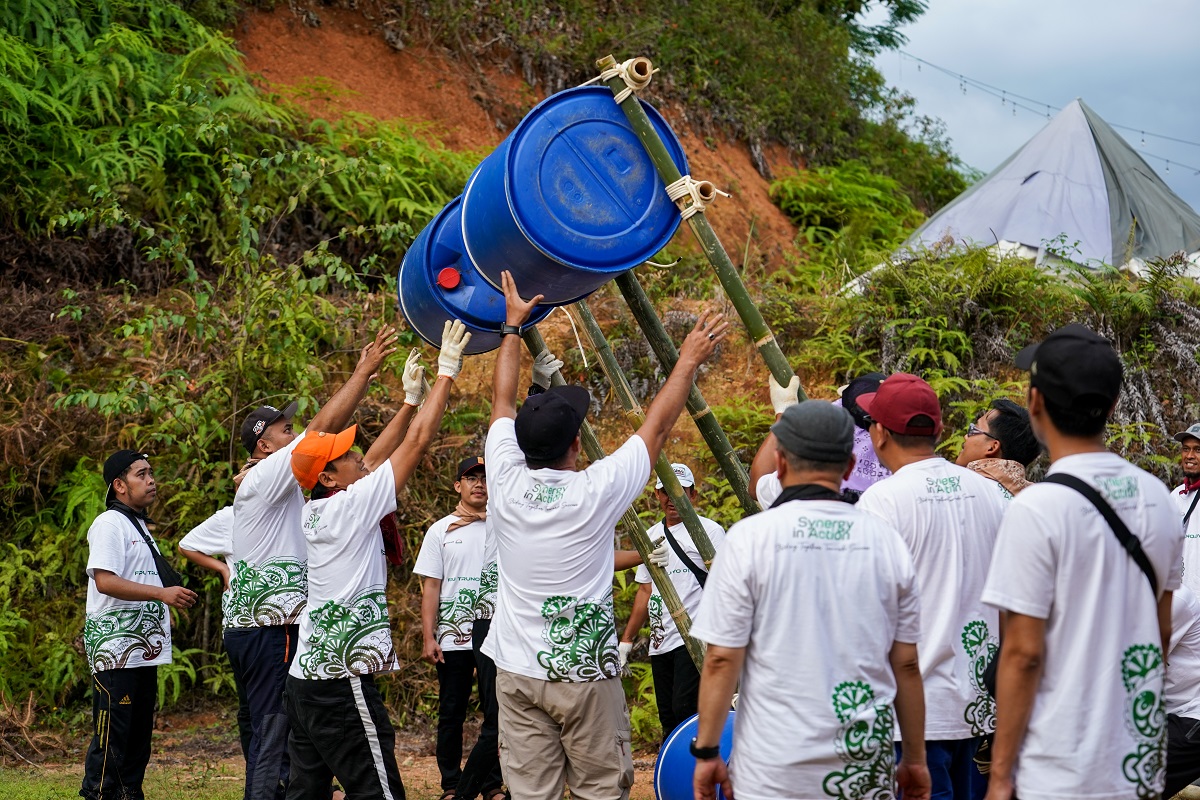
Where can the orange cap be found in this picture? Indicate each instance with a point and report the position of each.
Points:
(316, 450)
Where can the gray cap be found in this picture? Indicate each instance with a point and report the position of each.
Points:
(1191, 433)
(816, 430)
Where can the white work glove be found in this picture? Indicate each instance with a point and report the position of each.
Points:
(544, 367)
(416, 387)
(454, 341)
(660, 556)
(623, 649)
(784, 396)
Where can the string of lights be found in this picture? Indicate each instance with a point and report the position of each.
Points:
(1017, 101)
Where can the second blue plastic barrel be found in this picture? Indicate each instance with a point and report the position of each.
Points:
(570, 199)
(675, 765)
(437, 283)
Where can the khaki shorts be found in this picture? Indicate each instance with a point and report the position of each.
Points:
(553, 734)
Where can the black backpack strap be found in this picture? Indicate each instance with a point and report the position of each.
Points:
(1191, 508)
(701, 575)
(1130, 542)
(167, 575)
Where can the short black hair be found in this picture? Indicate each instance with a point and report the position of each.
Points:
(1010, 427)
(913, 441)
(1082, 422)
(799, 464)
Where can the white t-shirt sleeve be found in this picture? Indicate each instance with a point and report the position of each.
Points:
(1022, 576)
(272, 478)
(106, 546)
(501, 449)
(213, 537)
(768, 489)
(429, 560)
(622, 476)
(1175, 573)
(908, 620)
(374, 497)
(726, 614)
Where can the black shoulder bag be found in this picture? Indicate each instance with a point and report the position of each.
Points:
(166, 573)
(1187, 517)
(701, 574)
(1131, 543)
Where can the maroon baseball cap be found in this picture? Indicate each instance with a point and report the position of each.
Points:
(899, 401)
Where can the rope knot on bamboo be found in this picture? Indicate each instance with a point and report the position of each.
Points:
(693, 196)
(636, 73)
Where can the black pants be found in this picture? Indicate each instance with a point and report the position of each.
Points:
(260, 658)
(676, 687)
(1183, 753)
(456, 676)
(122, 722)
(340, 729)
(482, 771)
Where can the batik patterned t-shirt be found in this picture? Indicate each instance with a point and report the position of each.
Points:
(456, 559)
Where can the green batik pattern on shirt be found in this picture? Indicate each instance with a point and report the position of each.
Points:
(981, 648)
(350, 639)
(112, 638)
(865, 745)
(1145, 718)
(658, 631)
(489, 582)
(582, 639)
(271, 593)
(455, 617)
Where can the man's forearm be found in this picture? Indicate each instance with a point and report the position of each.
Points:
(639, 614)
(335, 415)
(910, 701)
(431, 590)
(1017, 678)
(504, 381)
(722, 667)
(763, 463)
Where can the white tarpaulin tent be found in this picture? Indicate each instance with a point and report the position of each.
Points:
(1078, 184)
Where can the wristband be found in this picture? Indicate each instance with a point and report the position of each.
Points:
(506, 329)
(535, 388)
(704, 752)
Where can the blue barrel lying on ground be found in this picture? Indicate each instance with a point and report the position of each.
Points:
(567, 202)
(675, 766)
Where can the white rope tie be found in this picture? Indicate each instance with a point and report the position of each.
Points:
(574, 330)
(634, 81)
(692, 196)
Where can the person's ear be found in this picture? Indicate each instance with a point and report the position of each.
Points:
(262, 448)
(993, 448)
(120, 487)
(781, 465)
(327, 480)
(850, 467)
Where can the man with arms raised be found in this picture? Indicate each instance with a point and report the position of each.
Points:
(269, 580)
(1085, 628)
(948, 516)
(339, 724)
(813, 605)
(553, 636)
(127, 630)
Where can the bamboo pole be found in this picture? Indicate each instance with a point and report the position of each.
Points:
(629, 520)
(662, 466)
(710, 428)
(731, 281)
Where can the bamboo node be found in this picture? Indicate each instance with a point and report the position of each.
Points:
(702, 412)
(636, 74)
(693, 196)
(770, 337)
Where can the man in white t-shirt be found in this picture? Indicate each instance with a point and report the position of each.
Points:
(676, 679)
(764, 483)
(813, 605)
(1080, 675)
(269, 580)
(450, 563)
(1181, 692)
(126, 631)
(1187, 497)
(339, 724)
(553, 636)
(948, 516)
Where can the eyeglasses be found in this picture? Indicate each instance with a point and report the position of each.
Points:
(974, 430)
(474, 477)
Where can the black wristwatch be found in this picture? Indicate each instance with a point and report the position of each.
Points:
(506, 329)
(704, 752)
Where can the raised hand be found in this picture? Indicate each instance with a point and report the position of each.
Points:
(374, 354)
(784, 396)
(711, 329)
(517, 311)
(416, 387)
(455, 337)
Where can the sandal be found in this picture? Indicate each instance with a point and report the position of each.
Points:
(496, 794)
(448, 795)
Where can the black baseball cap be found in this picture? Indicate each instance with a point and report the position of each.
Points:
(548, 422)
(469, 465)
(257, 421)
(1074, 368)
(115, 466)
(855, 389)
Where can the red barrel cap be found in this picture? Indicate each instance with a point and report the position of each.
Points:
(449, 278)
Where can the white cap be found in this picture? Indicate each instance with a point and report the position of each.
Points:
(682, 473)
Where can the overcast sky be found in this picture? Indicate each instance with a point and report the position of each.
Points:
(1134, 63)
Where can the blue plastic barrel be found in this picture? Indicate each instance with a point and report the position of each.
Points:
(437, 283)
(570, 199)
(676, 765)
